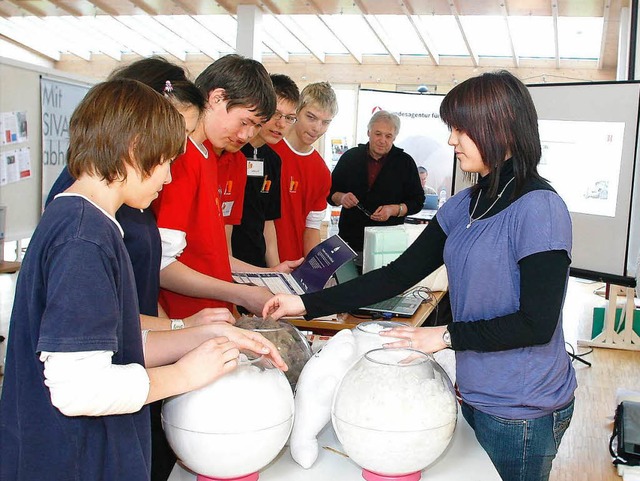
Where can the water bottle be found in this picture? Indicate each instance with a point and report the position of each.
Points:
(333, 222)
(442, 197)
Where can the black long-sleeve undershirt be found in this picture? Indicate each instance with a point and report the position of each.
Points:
(543, 279)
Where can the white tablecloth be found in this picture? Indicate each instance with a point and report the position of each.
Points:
(463, 460)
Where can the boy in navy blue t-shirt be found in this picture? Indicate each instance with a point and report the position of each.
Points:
(79, 371)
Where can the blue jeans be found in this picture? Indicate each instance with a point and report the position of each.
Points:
(520, 449)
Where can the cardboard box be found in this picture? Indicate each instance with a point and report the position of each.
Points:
(598, 321)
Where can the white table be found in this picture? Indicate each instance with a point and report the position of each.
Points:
(464, 459)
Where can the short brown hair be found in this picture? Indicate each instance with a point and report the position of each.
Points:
(285, 88)
(245, 81)
(123, 122)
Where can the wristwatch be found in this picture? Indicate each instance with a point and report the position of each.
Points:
(446, 338)
(177, 324)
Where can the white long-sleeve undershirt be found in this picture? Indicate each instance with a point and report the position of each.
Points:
(88, 384)
(314, 219)
(173, 244)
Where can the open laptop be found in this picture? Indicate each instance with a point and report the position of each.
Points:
(403, 305)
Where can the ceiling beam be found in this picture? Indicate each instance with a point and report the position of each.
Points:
(57, 38)
(354, 53)
(151, 36)
(605, 27)
(66, 7)
(287, 22)
(421, 31)
(186, 7)
(275, 47)
(357, 55)
(25, 6)
(104, 6)
(191, 35)
(456, 16)
(309, 43)
(144, 7)
(19, 35)
(374, 24)
(378, 31)
(270, 7)
(228, 5)
(505, 15)
(103, 43)
(4, 13)
(554, 15)
(106, 32)
(212, 32)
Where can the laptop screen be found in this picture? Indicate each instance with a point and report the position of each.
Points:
(400, 306)
(430, 202)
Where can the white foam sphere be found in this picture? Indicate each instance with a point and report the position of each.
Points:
(395, 411)
(234, 426)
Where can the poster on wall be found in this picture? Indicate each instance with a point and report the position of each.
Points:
(15, 165)
(58, 99)
(422, 133)
(13, 127)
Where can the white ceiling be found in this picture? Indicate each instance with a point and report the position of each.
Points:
(455, 30)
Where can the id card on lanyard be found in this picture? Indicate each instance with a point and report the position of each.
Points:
(255, 165)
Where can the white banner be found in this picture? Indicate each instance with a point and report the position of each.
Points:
(59, 100)
(422, 134)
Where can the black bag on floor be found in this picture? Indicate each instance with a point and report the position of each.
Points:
(624, 444)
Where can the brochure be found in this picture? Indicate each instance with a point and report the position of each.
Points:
(310, 276)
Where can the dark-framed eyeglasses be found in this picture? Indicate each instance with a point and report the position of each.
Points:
(290, 119)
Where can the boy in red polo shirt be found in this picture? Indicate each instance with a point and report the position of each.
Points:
(305, 177)
(196, 267)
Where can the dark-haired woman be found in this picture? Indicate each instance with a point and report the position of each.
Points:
(506, 243)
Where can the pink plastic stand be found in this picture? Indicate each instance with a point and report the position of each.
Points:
(371, 476)
(248, 477)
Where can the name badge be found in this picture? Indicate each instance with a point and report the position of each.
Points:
(255, 167)
(227, 207)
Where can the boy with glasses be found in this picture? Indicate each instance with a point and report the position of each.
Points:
(254, 239)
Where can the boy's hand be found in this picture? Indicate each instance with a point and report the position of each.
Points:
(208, 361)
(251, 341)
(209, 315)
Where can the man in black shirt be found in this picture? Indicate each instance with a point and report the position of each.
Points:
(377, 177)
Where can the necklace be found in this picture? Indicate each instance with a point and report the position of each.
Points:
(471, 219)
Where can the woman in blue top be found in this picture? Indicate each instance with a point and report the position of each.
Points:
(506, 243)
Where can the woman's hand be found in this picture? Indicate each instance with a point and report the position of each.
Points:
(283, 305)
(425, 339)
(209, 315)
